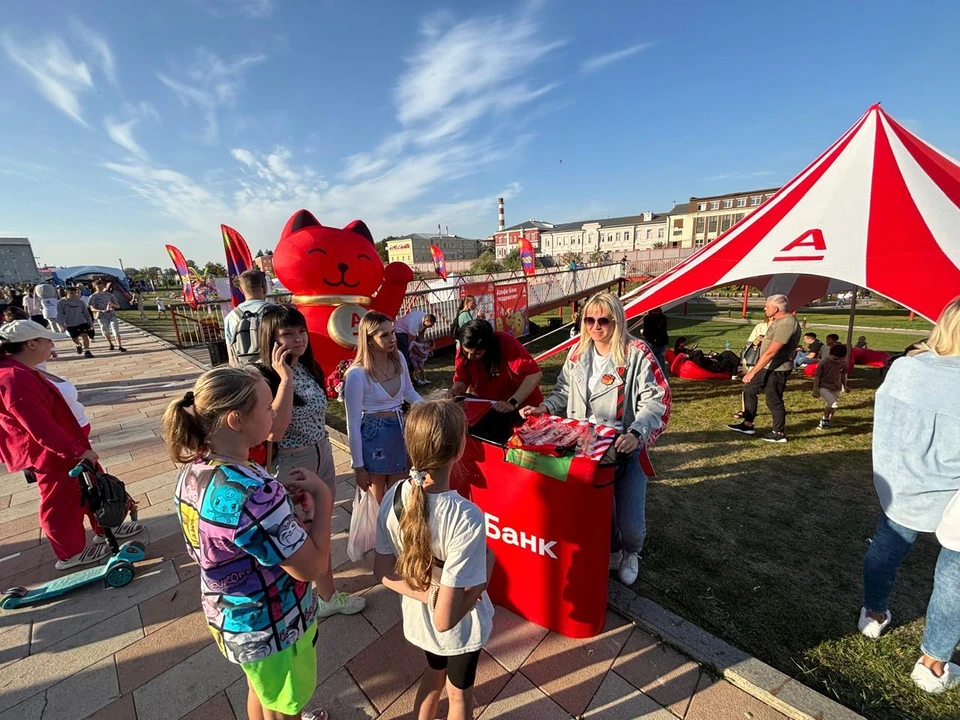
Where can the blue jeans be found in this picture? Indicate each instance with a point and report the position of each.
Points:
(942, 633)
(629, 506)
(801, 359)
(660, 352)
(889, 547)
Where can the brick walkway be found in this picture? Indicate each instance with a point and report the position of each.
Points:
(143, 652)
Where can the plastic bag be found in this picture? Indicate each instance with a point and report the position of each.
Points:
(363, 525)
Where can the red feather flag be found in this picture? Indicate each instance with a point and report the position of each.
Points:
(528, 258)
(238, 260)
(180, 265)
(439, 261)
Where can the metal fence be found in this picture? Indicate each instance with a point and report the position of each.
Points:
(546, 290)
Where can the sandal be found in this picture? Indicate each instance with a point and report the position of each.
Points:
(90, 554)
(126, 530)
(314, 715)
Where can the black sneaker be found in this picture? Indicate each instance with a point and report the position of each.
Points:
(743, 428)
(774, 436)
(822, 424)
(112, 347)
(88, 354)
(826, 424)
(79, 350)
(122, 349)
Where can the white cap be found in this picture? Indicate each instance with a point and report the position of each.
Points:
(22, 330)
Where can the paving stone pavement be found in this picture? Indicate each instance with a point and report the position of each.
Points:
(143, 651)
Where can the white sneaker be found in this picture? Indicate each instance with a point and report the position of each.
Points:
(615, 558)
(928, 682)
(629, 568)
(340, 603)
(90, 554)
(871, 628)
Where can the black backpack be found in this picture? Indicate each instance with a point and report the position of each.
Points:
(246, 343)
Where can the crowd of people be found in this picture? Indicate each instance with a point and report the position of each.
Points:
(430, 544)
(255, 495)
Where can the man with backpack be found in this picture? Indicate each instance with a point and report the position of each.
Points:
(241, 325)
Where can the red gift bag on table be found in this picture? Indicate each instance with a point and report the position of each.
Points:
(560, 448)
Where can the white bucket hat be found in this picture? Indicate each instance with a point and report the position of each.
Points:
(23, 330)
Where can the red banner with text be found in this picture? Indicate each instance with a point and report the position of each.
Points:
(511, 309)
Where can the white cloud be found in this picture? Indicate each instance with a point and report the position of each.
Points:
(122, 134)
(462, 71)
(595, 63)
(58, 75)
(211, 84)
(99, 48)
(455, 81)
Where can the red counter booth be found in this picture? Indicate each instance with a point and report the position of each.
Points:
(551, 537)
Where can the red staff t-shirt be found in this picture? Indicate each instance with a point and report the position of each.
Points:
(515, 365)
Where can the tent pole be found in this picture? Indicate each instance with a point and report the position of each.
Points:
(853, 312)
(746, 294)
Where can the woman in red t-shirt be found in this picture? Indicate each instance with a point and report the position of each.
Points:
(495, 366)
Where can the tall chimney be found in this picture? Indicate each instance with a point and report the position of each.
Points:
(446, 229)
(439, 231)
(500, 223)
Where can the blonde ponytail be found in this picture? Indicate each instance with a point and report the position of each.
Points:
(435, 433)
(415, 564)
(189, 421)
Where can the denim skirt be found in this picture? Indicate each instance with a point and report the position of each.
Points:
(384, 452)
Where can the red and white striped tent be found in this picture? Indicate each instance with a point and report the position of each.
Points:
(879, 209)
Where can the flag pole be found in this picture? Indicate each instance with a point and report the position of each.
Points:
(853, 312)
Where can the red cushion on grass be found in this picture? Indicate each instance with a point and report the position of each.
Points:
(689, 370)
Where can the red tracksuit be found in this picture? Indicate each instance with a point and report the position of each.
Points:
(39, 431)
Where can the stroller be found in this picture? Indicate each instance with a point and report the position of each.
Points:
(108, 500)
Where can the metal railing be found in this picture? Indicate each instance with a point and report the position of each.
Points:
(545, 290)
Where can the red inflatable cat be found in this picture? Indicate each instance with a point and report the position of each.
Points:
(336, 276)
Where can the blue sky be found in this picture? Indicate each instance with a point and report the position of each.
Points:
(128, 125)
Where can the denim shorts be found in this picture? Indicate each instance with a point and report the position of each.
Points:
(384, 452)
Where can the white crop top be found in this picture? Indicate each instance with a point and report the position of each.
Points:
(362, 394)
(70, 394)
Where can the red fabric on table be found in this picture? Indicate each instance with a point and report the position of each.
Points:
(515, 365)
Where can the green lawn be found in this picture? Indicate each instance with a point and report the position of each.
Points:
(761, 544)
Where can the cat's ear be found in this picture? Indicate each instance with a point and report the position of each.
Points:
(299, 220)
(360, 228)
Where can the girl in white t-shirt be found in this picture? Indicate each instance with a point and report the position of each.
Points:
(431, 549)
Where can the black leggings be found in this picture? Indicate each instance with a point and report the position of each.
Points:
(461, 669)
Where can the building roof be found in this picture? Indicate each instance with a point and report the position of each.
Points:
(530, 225)
(610, 222)
(764, 191)
(683, 208)
(432, 237)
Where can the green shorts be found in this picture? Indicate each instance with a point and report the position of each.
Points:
(285, 681)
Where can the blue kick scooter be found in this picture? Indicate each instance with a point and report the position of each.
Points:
(106, 497)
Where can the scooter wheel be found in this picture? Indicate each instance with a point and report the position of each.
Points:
(119, 575)
(138, 545)
(16, 592)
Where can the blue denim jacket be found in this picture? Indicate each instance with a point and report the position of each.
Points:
(916, 439)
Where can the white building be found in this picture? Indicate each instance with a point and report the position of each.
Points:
(613, 235)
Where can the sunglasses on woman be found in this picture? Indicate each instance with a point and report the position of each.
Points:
(600, 321)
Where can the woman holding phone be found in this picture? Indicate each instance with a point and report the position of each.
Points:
(299, 431)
